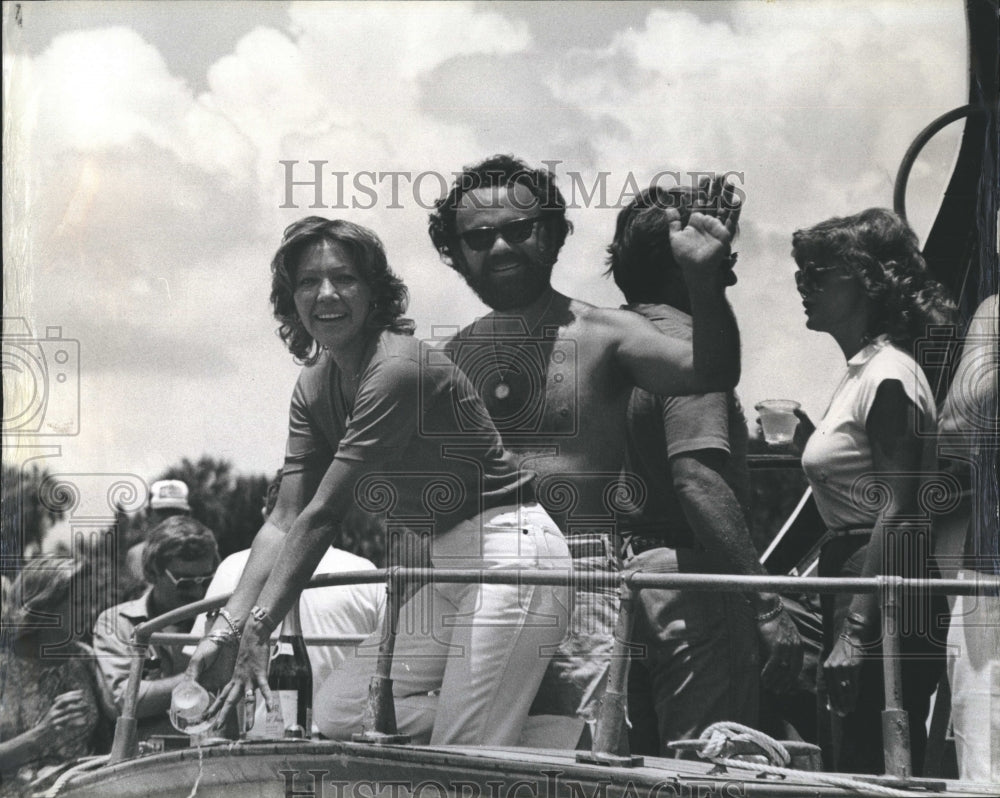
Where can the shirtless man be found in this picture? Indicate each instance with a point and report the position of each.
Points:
(554, 372)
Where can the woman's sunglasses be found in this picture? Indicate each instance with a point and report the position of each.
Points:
(481, 239)
(811, 278)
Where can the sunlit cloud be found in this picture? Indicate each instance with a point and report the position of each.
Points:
(151, 209)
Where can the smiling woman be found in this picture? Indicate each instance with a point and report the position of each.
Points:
(377, 421)
(317, 255)
(330, 297)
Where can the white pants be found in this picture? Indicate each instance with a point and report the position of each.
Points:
(485, 647)
(974, 674)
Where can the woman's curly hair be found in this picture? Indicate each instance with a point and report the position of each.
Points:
(879, 247)
(497, 171)
(391, 296)
(41, 587)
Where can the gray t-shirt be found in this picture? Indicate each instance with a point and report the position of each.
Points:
(661, 427)
(418, 416)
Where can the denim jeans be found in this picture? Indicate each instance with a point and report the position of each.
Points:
(574, 682)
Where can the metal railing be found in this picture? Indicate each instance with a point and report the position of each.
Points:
(610, 741)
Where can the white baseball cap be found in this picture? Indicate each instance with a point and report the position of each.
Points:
(169, 494)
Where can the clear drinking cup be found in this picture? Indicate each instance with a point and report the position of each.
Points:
(188, 703)
(778, 420)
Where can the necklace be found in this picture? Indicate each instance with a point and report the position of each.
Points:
(502, 390)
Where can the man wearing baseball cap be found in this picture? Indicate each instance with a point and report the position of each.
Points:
(167, 497)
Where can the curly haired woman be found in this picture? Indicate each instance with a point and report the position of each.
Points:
(863, 281)
(54, 706)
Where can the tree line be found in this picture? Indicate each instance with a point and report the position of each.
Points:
(231, 504)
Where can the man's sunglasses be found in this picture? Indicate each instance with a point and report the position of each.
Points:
(481, 239)
(184, 582)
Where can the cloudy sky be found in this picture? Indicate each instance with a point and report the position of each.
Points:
(143, 183)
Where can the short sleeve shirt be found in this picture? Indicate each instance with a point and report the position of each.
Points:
(325, 611)
(115, 652)
(838, 455)
(662, 427)
(418, 418)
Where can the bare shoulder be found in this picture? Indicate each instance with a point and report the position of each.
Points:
(610, 322)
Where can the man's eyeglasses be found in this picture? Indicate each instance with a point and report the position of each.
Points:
(188, 582)
(481, 239)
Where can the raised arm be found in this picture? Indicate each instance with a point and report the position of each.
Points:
(711, 361)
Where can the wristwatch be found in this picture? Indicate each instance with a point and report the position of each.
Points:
(261, 615)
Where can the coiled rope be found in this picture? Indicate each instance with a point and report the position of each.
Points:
(88, 763)
(725, 743)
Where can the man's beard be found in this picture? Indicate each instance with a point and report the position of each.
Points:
(505, 295)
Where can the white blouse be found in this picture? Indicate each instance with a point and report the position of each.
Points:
(838, 457)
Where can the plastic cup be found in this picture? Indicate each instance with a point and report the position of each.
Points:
(778, 420)
(188, 703)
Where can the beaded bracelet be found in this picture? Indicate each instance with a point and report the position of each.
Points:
(770, 614)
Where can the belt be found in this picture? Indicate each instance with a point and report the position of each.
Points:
(591, 545)
(848, 532)
(805, 562)
(637, 544)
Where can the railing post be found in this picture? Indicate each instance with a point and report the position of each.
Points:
(126, 742)
(610, 745)
(379, 721)
(895, 719)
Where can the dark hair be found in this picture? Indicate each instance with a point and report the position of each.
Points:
(178, 536)
(498, 171)
(640, 252)
(881, 249)
(391, 296)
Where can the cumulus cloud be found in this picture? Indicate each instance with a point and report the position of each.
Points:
(815, 104)
(362, 43)
(154, 209)
(107, 89)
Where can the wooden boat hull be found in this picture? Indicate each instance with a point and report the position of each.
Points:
(349, 770)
